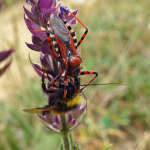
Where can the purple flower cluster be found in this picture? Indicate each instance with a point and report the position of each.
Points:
(37, 19)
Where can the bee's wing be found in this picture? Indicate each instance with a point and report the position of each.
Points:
(42, 109)
(60, 29)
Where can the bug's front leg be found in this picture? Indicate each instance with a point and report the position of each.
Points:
(88, 72)
(44, 88)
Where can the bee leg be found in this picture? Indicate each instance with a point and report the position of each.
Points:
(46, 90)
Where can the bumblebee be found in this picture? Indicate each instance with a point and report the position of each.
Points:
(56, 103)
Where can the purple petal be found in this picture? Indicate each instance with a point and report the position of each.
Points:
(78, 112)
(54, 4)
(43, 20)
(45, 48)
(34, 47)
(56, 119)
(64, 11)
(5, 54)
(77, 108)
(31, 16)
(76, 124)
(46, 118)
(72, 123)
(51, 64)
(46, 63)
(44, 4)
(71, 20)
(79, 52)
(3, 69)
(41, 35)
(70, 117)
(52, 10)
(37, 68)
(37, 41)
(31, 25)
(52, 128)
(57, 126)
(35, 12)
(64, 14)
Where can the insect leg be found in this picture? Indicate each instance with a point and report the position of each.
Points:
(52, 82)
(46, 90)
(89, 72)
(86, 30)
(77, 83)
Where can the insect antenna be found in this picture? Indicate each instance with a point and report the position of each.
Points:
(83, 94)
(105, 84)
(84, 97)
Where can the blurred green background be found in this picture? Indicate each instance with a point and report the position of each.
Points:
(117, 46)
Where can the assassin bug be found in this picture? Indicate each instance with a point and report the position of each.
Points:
(63, 47)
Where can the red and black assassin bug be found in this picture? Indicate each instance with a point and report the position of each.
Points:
(63, 47)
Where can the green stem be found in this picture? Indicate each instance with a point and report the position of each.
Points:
(65, 134)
